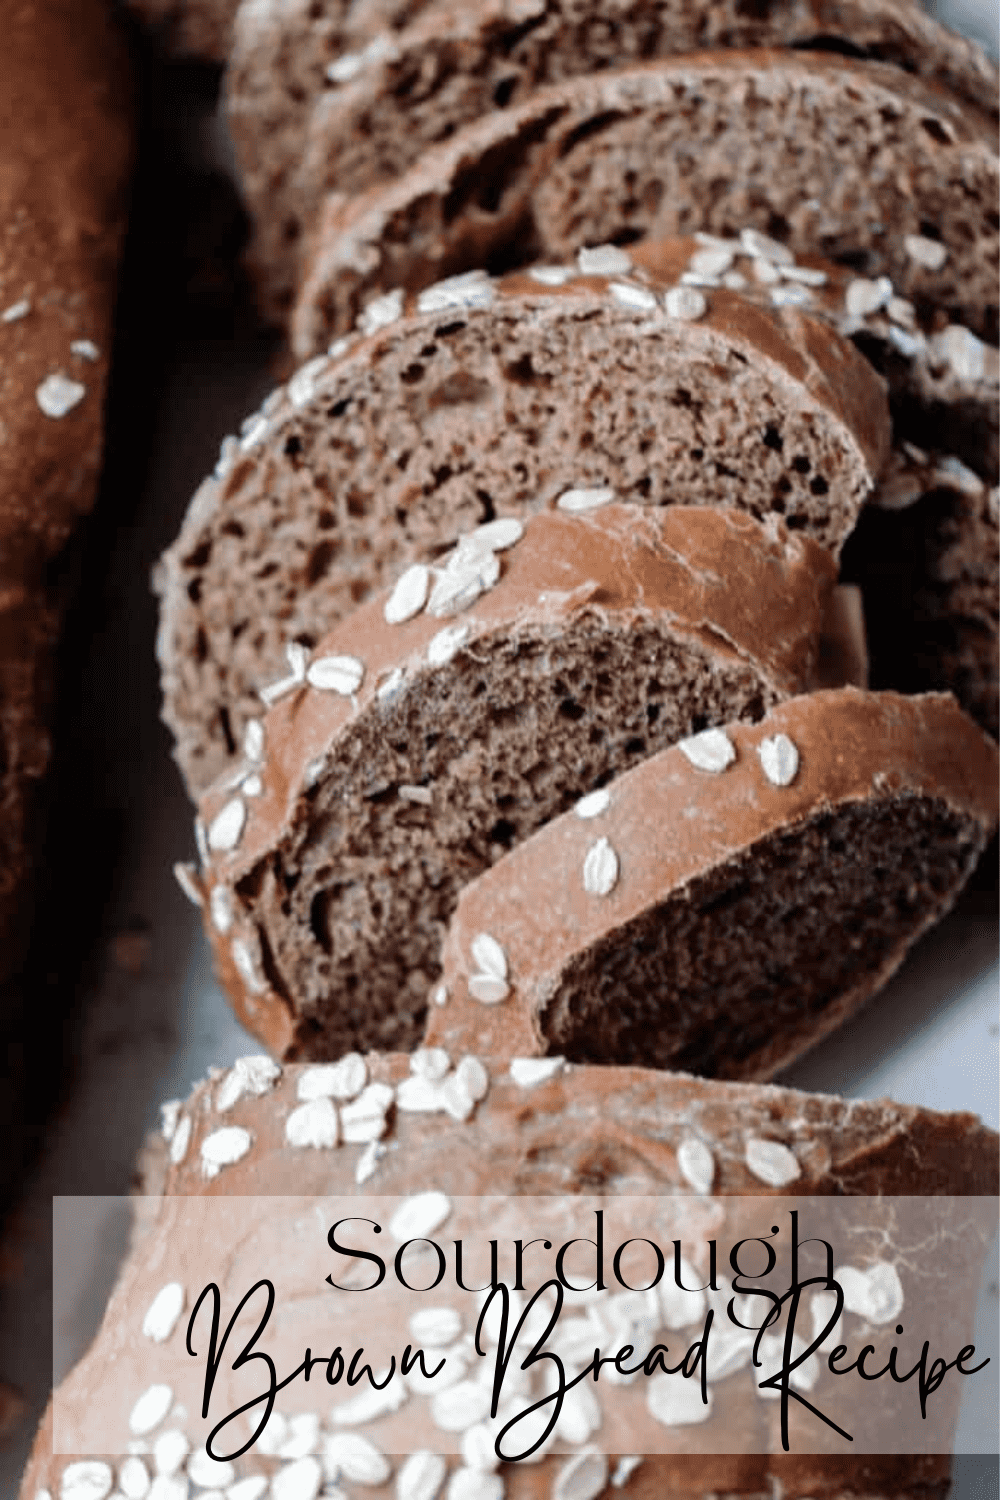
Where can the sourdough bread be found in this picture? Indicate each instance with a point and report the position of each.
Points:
(604, 1132)
(827, 156)
(421, 741)
(347, 122)
(729, 902)
(481, 398)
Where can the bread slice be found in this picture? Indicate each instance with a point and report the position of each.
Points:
(731, 901)
(644, 1147)
(425, 742)
(482, 398)
(826, 155)
(278, 67)
(306, 121)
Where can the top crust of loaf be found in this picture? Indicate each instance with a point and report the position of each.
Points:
(604, 1132)
(851, 749)
(539, 180)
(500, 396)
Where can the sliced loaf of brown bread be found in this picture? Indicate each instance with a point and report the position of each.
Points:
(849, 160)
(480, 398)
(731, 901)
(447, 719)
(307, 120)
(645, 1148)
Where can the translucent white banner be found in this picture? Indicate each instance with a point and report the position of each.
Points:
(269, 1327)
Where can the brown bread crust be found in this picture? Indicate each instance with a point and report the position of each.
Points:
(65, 149)
(668, 983)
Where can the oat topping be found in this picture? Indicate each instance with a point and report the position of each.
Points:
(249, 1489)
(594, 804)
(419, 1216)
(409, 595)
(336, 674)
(685, 303)
(210, 1473)
(468, 573)
(436, 1327)
(163, 1312)
(180, 1141)
(253, 786)
(962, 350)
(779, 759)
(600, 869)
(226, 828)
(16, 311)
(221, 907)
(439, 994)
(301, 1480)
(771, 1162)
(762, 247)
(472, 1484)
(186, 876)
(133, 1480)
(349, 1455)
(489, 955)
(431, 1063)
(246, 967)
(735, 281)
(473, 1078)
(635, 298)
(249, 1076)
(302, 386)
(604, 260)
(807, 275)
(170, 1450)
(150, 1409)
(624, 1470)
(696, 1163)
(381, 312)
(223, 1148)
(340, 1080)
(58, 395)
(529, 1071)
(711, 750)
(928, 253)
(85, 349)
(446, 643)
(471, 289)
(677, 1403)
(498, 535)
(582, 1477)
(313, 1124)
(575, 501)
(713, 260)
(253, 431)
(551, 275)
(766, 272)
(864, 297)
(368, 1161)
(253, 740)
(791, 296)
(488, 991)
(875, 1295)
(421, 1477)
(363, 1120)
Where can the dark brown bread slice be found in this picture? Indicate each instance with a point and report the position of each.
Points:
(828, 156)
(736, 899)
(419, 749)
(383, 108)
(490, 398)
(606, 1133)
(277, 69)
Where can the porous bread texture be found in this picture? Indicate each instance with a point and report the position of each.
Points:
(606, 638)
(607, 1133)
(828, 156)
(199, 30)
(497, 401)
(276, 71)
(754, 904)
(403, 91)
(65, 153)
